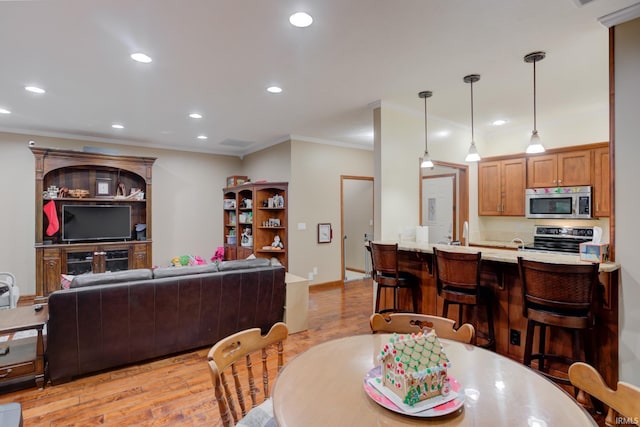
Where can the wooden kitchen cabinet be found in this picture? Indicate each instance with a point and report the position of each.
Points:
(565, 169)
(501, 185)
(601, 182)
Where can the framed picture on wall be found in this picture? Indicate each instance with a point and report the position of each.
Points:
(324, 233)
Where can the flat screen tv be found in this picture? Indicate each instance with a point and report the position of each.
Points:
(96, 222)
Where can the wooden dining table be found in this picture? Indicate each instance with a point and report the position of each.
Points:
(327, 386)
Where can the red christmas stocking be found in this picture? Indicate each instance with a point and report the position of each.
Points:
(50, 211)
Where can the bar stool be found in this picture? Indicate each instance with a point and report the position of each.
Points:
(458, 282)
(385, 272)
(562, 296)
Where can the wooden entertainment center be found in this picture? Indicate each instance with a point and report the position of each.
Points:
(105, 180)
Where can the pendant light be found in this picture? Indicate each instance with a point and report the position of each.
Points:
(535, 146)
(472, 155)
(426, 159)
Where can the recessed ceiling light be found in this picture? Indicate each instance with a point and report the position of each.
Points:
(195, 116)
(202, 137)
(443, 133)
(4, 111)
(34, 89)
(499, 122)
(300, 19)
(141, 57)
(274, 89)
(117, 126)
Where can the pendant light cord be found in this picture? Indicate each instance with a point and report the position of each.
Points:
(472, 137)
(425, 125)
(535, 127)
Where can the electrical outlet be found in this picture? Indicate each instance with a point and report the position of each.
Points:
(315, 270)
(514, 337)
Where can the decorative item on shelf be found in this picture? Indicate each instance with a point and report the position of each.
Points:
(535, 145)
(121, 190)
(229, 204)
(103, 187)
(232, 218)
(234, 180)
(472, 155)
(277, 243)
(274, 222)
(277, 201)
(136, 194)
(63, 192)
(52, 192)
(246, 203)
(426, 159)
(247, 238)
(78, 193)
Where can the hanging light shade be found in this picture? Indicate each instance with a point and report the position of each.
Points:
(472, 155)
(535, 145)
(426, 159)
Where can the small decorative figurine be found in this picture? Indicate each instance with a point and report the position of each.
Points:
(277, 244)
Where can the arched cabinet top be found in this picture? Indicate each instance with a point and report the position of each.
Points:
(50, 159)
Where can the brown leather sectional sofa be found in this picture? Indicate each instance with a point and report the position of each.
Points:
(113, 319)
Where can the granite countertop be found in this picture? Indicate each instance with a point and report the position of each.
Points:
(504, 255)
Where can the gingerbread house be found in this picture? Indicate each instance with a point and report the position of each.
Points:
(415, 367)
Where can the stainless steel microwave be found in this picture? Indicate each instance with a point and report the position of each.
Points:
(558, 202)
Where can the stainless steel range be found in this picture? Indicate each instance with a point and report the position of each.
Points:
(551, 238)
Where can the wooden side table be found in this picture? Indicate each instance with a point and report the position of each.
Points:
(24, 357)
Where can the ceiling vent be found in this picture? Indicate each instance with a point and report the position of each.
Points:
(236, 143)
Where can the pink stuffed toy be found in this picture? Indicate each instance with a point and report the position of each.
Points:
(219, 255)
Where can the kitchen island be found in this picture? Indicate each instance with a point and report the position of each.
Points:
(499, 273)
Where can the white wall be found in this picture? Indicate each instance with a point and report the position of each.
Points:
(627, 204)
(187, 202)
(271, 164)
(314, 197)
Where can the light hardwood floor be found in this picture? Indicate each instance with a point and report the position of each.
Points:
(177, 390)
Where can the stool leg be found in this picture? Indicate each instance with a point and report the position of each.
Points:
(542, 346)
(459, 314)
(492, 333)
(378, 297)
(395, 299)
(445, 309)
(528, 343)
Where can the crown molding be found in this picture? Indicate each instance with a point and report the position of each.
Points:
(620, 16)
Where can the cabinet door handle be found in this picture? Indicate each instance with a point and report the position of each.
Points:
(554, 181)
(597, 207)
(6, 374)
(559, 181)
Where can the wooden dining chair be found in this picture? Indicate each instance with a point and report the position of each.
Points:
(227, 355)
(624, 400)
(406, 323)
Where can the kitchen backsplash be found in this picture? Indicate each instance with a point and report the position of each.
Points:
(504, 229)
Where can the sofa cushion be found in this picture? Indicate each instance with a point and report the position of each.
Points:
(111, 277)
(242, 264)
(183, 271)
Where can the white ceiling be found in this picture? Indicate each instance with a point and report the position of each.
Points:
(217, 57)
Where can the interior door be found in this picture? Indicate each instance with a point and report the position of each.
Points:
(357, 223)
(438, 213)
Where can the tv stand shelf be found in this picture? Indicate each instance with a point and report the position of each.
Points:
(107, 180)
